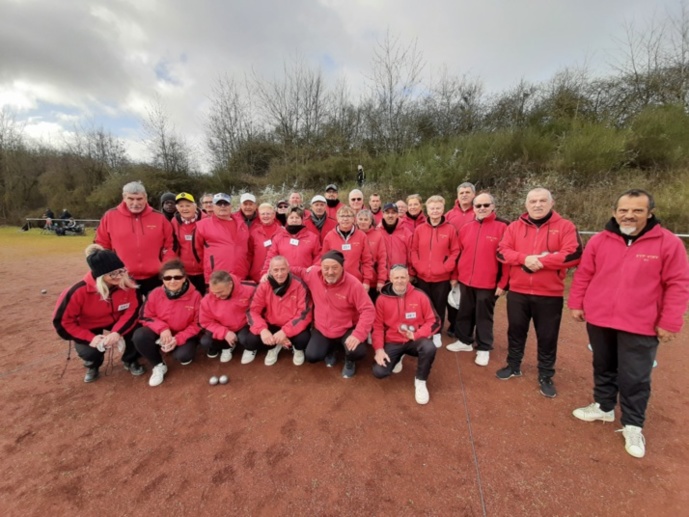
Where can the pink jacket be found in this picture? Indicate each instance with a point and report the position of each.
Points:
(633, 288)
(478, 264)
(434, 251)
(220, 316)
(224, 244)
(292, 312)
(397, 245)
(357, 253)
(262, 237)
(300, 250)
(380, 254)
(185, 245)
(180, 315)
(458, 217)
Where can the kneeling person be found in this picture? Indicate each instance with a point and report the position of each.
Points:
(405, 323)
(280, 314)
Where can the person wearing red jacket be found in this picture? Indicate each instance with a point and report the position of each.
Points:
(280, 314)
(262, 235)
(353, 245)
(99, 312)
(482, 279)
(343, 313)
(414, 216)
(224, 243)
(364, 222)
(631, 288)
(397, 238)
(298, 245)
(248, 210)
(141, 236)
(319, 222)
(170, 321)
(184, 233)
(539, 247)
(405, 323)
(332, 200)
(223, 316)
(375, 205)
(433, 257)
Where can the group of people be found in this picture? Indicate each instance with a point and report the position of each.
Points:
(330, 280)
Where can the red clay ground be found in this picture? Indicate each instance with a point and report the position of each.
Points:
(302, 441)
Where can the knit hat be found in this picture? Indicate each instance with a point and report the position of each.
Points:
(103, 262)
(334, 255)
(168, 196)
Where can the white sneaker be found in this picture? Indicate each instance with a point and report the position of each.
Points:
(398, 366)
(248, 356)
(482, 357)
(421, 394)
(298, 357)
(226, 355)
(634, 441)
(158, 374)
(438, 340)
(458, 346)
(593, 412)
(272, 355)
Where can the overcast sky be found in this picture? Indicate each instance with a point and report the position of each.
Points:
(67, 62)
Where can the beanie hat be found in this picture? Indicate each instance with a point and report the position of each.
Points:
(103, 262)
(334, 255)
(168, 196)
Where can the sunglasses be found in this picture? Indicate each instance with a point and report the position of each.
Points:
(167, 278)
(482, 205)
(356, 198)
(282, 206)
(118, 272)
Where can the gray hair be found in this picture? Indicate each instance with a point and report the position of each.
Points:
(134, 187)
(365, 213)
(467, 184)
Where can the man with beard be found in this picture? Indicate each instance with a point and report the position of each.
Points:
(397, 237)
(331, 198)
(167, 205)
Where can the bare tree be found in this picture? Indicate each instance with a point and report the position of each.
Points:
(169, 151)
(454, 104)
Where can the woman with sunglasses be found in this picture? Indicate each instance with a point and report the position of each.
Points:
(170, 321)
(100, 312)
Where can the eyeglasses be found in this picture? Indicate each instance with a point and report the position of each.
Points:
(118, 272)
(167, 278)
(343, 216)
(222, 203)
(207, 202)
(282, 206)
(482, 205)
(356, 198)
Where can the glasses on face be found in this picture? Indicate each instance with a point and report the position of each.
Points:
(282, 206)
(167, 278)
(118, 272)
(482, 205)
(207, 202)
(346, 216)
(222, 203)
(356, 198)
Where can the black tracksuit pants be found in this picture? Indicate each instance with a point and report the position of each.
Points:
(299, 341)
(476, 308)
(215, 346)
(95, 358)
(145, 341)
(437, 292)
(320, 346)
(424, 349)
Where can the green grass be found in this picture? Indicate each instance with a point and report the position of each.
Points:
(34, 241)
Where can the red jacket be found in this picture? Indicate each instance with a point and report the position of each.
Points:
(412, 308)
(379, 253)
(339, 307)
(458, 217)
(80, 310)
(636, 287)
(220, 316)
(434, 251)
(357, 253)
(185, 246)
(300, 250)
(377, 217)
(225, 245)
(412, 224)
(397, 245)
(262, 239)
(557, 240)
(478, 264)
(143, 241)
(329, 224)
(332, 212)
(180, 315)
(292, 312)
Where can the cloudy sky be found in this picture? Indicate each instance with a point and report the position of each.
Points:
(76, 62)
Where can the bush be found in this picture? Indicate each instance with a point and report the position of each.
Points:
(660, 137)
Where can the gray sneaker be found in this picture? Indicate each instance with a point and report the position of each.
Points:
(349, 369)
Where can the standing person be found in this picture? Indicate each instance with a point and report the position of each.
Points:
(224, 243)
(433, 256)
(65, 215)
(482, 279)
(376, 206)
(459, 215)
(142, 237)
(414, 216)
(248, 210)
(402, 208)
(100, 311)
(170, 318)
(353, 245)
(397, 238)
(207, 203)
(540, 246)
(298, 245)
(631, 289)
(360, 176)
(343, 313)
(281, 211)
(262, 235)
(356, 200)
(184, 233)
(167, 205)
(364, 221)
(331, 198)
(319, 222)
(280, 314)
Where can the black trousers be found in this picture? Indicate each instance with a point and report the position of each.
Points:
(299, 342)
(437, 292)
(95, 357)
(214, 346)
(622, 365)
(424, 349)
(476, 308)
(451, 318)
(145, 342)
(320, 346)
(546, 313)
(146, 285)
(199, 282)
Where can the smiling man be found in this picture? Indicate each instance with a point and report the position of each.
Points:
(631, 289)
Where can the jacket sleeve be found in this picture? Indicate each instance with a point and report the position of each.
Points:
(507, 252)
(413, 253)
(304, 313)
(258, 304)
(272, 252)
(208, 322)
(168, 251)
(382, 262)
(431, 321)
(367, 263)
(130, 316)
(451, 260)
(316, 253)
(150, 313)
(103, 232)
(675, 285)
(583, 275)
(66, 316)
(193, 328)
(367, 313)
(570, 250)
(378, 334)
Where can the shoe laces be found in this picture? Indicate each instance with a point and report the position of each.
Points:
(633, 436)
(546, 380)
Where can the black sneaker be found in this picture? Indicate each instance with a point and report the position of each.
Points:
(212, 354)
(330, 360)
(91, 375)
(547, 387)
(349, 369)
(135, 368)
(507, 373)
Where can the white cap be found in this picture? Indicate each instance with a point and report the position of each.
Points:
(247, 197)
(318, 198)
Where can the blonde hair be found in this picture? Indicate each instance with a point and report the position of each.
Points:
(414, 196)
(435, 199)
(345, 210)
(126, 282)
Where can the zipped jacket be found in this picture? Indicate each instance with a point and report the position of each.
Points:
(291, 311)
(262, 237)
(397, 245)
(220, 316)
(379, 253)
(179, 315)
(357, 253)
(301, 249)
(478, 264)
(225, 245)
(184, 234)
(458, 217)
(434, 251)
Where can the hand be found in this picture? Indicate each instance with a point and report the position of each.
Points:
(165, 337)
(264, 278)
(280, 338)
(577, 315)
(381, 357)
(380, 286)
(366, 286)
(111, 339)
(665, 336)
(532, 263)
(351, 343)
(170, 345)
(499, 292)
(407, 333)
(96, 341)
(453, 283)
(267, 338)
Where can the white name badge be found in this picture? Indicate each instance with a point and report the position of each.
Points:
(346, 247)
(294, 242)
(187, 237)
(267, 243)
(123, 307)
(410, 315)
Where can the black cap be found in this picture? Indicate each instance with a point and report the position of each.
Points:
(103, 262)
(390, 206)
(332, 186)
(334, 255)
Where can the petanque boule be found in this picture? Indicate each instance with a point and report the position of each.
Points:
(213, 380)
(44, 291)
(223, 379)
